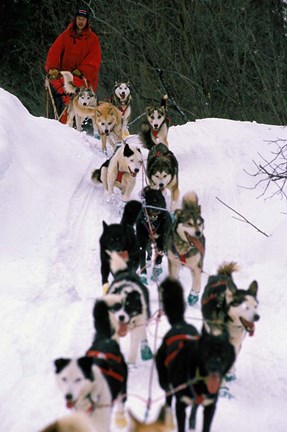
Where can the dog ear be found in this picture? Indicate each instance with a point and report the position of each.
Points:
(61, 363)
(128, 151)
(105, 225)
(86, 363)
(253, 288)
(116, 84)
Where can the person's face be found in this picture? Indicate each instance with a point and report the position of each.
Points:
(81, 22)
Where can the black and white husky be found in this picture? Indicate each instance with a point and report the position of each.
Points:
(85, 389)
(128, 303)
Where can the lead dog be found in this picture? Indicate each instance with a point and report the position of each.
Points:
(120, 171)
(225, 305)
(162, 171)
(80, 98)
(186, 243)
(154, 128)
(188, 364)
(122, 100)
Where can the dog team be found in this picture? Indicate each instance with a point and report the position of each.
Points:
(191, 365)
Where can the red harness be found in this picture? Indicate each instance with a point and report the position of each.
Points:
(106, 356)
(181, 339)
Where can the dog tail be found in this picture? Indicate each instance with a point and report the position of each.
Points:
(102, 322)
(164, 101)
(144, 135)
(131, 212)
(226, 269)
(189, 200)
(69, 86)
(96, 176)
(172, 300)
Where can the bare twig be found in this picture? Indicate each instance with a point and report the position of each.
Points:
(243, 219)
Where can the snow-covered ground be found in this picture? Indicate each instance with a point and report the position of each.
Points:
(50, 222)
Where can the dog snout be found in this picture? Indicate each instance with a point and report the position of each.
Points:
(197, 233)
(85, 103)
(121, 318)
(161, 185)
(107, 131)
(256, 317)
(136, 170)
(69, 397)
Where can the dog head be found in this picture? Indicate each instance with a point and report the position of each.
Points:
(243, 309)
(87, 97)
(74, 378)
(122, 91)
(216, 356)
(154, 202)
(156, 115)
(125, 304)
(114, 238)
(133, 159)
(106, 118)
(188, 220)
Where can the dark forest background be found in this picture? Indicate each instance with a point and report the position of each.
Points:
(214, 58)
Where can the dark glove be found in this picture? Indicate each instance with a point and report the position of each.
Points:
(53, 73)
(77, 73)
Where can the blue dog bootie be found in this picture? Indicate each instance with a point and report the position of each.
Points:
(146, 353)
(156, 272)
(143, 278)
(192, 298)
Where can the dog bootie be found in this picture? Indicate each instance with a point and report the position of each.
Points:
(143, 279)
(106, 288)
(192, 298)
(156, 272)
(146, 353)
(230, 376)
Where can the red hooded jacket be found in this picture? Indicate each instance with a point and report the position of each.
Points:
(71, 51)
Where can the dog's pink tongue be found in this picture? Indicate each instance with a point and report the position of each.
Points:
(70, 404)
(123, 329)
(213, 383)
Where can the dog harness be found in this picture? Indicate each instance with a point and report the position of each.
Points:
(121, 173)
(107, 356)
(178, 341)
(196, 244)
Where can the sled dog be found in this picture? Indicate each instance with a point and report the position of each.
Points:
(120, 171)
(85, 389)
(128, 303)
(186, 243)
(162, 171)
(106, 354)
(192, 363)
(163, 423)
(77, 422)
(152, 225)
(225, 305)
(154, 128)
(108, 121)
(80, 98)
(122, 100)
(120, 237)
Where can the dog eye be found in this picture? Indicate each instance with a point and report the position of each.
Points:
(78, 380)
(64, 379)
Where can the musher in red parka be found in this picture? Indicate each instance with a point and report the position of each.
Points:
(77, 50)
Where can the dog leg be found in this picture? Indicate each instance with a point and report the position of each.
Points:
(174, 198)
(129, 186)
(196, 286)
(139, 338)
(180, 415)
(78, 122)
(173, 268)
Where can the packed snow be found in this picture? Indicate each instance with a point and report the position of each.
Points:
(51, 219)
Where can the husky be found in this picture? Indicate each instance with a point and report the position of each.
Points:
(85, 389)
(80, 98)
(129, 307)
(106, 354)
(122, 100)
(162, 171)
(154, 128)
(186, 243)
(77, 422)
(163, 423)
(108, 121)
(192, 364)
(120, 237)
(120, 171)
(152, 225)
(225, 305)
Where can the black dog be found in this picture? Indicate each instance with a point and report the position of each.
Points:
(121, 238)
(152, 226)
(191, 364)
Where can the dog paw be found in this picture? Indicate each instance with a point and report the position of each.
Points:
(146, 353)
(224, 392)
(192, 298)
(143, 279)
